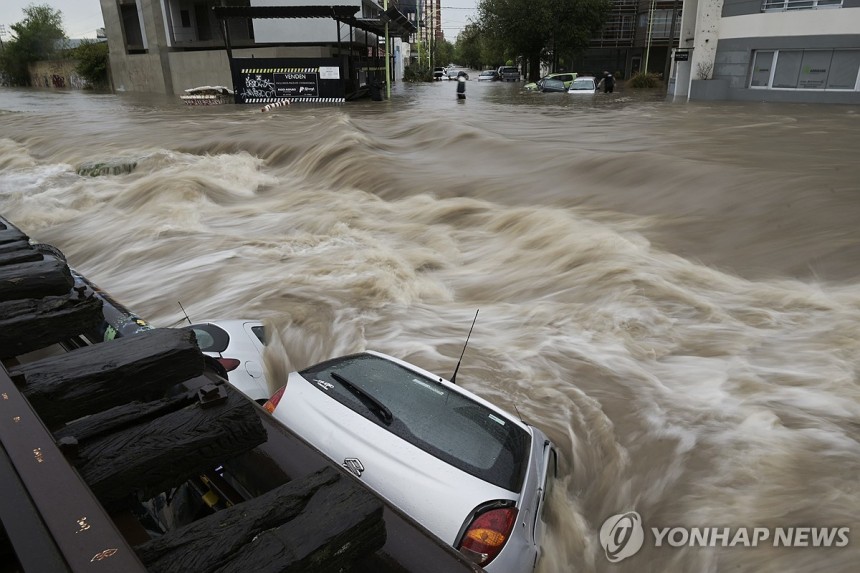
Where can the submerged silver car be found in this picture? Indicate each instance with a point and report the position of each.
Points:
(471, 473)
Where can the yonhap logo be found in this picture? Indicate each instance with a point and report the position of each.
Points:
(622, 536)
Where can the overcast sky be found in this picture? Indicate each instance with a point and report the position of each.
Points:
(456, 14)
(81, 18)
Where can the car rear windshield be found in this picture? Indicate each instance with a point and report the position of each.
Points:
(427, 414)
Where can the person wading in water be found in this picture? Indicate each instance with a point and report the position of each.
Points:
(608, 83)
(461, 85)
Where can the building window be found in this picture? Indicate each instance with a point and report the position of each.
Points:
(806, 69)
(787, 69)
(131, 27)
(662, 25)
(783, 5)
(762, 64)
(185, 17)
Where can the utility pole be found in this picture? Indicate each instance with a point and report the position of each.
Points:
(387, 56)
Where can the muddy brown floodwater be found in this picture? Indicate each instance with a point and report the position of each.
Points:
(669, 290)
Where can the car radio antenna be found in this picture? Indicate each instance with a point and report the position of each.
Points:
(185, 313)
(454, 376)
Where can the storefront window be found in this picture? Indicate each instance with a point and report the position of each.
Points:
(844, 70)
(762, 62)
(787, 69)
(806, 69)
(814, 69)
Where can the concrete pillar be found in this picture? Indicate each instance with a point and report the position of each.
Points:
(700, 32)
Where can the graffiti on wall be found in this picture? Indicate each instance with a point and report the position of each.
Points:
(57, 74)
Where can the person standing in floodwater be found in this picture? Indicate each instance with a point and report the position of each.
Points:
(461, 85)
(608, 83)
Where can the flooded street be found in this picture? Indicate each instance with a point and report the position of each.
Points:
(670, 291)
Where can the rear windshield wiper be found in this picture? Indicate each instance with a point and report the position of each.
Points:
(373, 404)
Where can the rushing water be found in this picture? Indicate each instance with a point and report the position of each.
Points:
(669, 290)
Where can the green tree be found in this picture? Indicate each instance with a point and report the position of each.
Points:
(443, 53)
(35, 38)
(467, 49)
(541, 30)
(92, 62)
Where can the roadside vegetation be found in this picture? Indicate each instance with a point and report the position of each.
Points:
(40, 36)
(532, 32)
(514, 32)
(644, 80)
(35, 38)
(92, 60)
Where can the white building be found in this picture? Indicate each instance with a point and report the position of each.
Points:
(769, 50)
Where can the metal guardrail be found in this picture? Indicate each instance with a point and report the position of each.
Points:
(786, 5)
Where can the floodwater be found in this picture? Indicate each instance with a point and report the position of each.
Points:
(669, 290)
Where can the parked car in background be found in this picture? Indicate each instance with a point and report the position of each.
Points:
(583, 85)
(509, 73)
(566, 77)
(473, 474)
(488, 76)
(553, 85)
(438, 73)
(452, 73)
(238, 346)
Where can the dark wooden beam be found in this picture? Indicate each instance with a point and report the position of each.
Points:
(30, 324)
(148, 458)
(35, 280)
(94, 378)
(322, 523)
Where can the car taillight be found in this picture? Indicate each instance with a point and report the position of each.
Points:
(272, 402)
(486, 535)
(229, 364)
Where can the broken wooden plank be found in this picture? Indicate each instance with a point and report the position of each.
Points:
(148, 458)
(38, 279)
(94, 378)
(30, 324)
(322, 523)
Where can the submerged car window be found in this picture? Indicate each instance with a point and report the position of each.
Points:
(210, 338)
(440, 421)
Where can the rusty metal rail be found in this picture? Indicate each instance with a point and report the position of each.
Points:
(51, 517)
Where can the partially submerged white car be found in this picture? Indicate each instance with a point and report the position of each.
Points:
(238, 346)
(471, 473)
